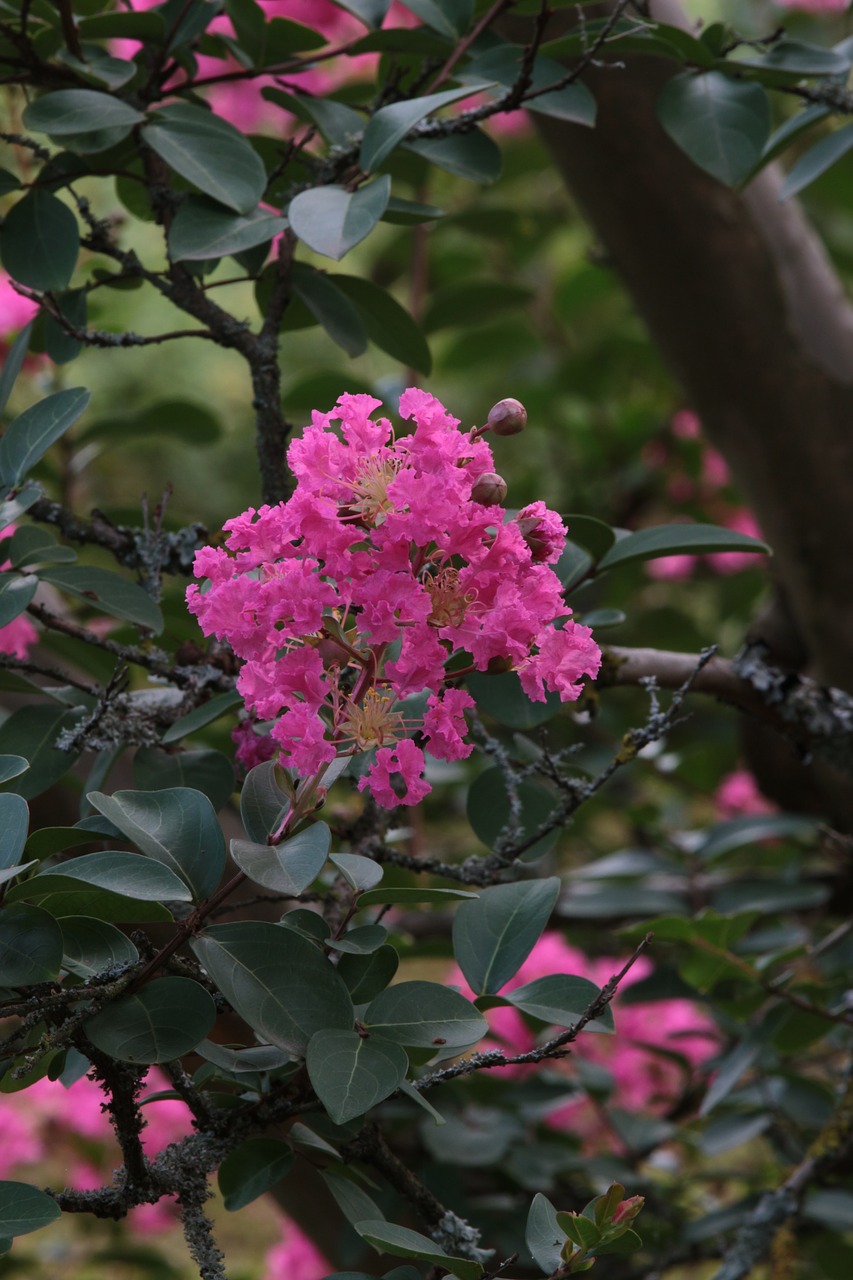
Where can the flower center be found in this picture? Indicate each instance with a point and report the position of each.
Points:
(370, 487)
(373, 722)
(450, 602)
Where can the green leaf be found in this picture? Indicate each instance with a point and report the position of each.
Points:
(470, 302)
(360, 942)
(210, 153)
(410, 213)
(473, 155)
(108, 593)
(32, 433)
(596, 536)
(252, 1170)
(90, 946)
(276, 980)
(176, 826)
(358, 871)
(14, 821)
(32, 732)
(675, 539)
(489, 813)
(204, 715)
(406, 897)
(129, 874)
(210, 772)
(147, 26)
(351, 1074)
(263, 804)
(425, 1015)
(261, 1058)
(494, 935)
(502, 696)
(725, 836)
(449, 18)
(388, 324)
(60, 899)
(389, 126)
(73, 111)
(573, 103)
(387, 1237)
(164, 1020)
(203, 230)
(332, 220)
(50, 840)
(289, 867)
(12, 366)
(33, 545)
(791, 130)
(720, 123)
(817, 160)
(11, 508)
(370, 12)
(12, 767)
(331, 308)
(560, 999)
(366, 976)
(40, 241)
(24, 1208)
(30, 946)
(183, 420)
(543, 1236)
(16, 592)
(791, 60)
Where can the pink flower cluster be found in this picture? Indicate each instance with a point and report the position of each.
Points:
(643, 1080)
(738, 796)
(19, 635)
(381, 569)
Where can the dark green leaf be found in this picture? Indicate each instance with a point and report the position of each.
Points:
(426, 1015)
(721, 124)
(408, 213)
(61, 900)
(502, 696)
(32, 433)
(8, 182)
(817, 160)
(331, 308)
(75, 111)
(24, 1208)
(389, 126)
(593, 534)
(387, 1237)
(183, 420)
(127, 26)
(370, 12)
(387, 323)
(332, 220)
(108, 593)
(32, 732)
(203, 229)
(201, 716)
(16, 592)
(792, 129)
(289, 867)
(406, 897)
(360, 942)
(573, 102)
(265, 1057)
(473, 155)
(210, 153)
(90, 946)
(33, 545)
(12, 767)
(14, 821)
(22, 501)
(12, 366)
(675, 539)
(358, 871)
(39, 241)
(176, 826)
(351, 1074)
(725, 836)
(730, 1069)
(449, 18)
(794, 60)
(560, 1000)
(121, 872)
(210, 772)
(366, 976)
(276, 980)
(544, 1238)
(30, 946)
(252, 1170)
(50, 840)
(263, 804)
(489, 813)
(494, 934)
(471, 302)
(164, 1020)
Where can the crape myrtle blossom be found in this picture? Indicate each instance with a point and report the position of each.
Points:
(355, 597)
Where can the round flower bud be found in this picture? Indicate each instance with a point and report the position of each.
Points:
(489, 489)
(507, 417)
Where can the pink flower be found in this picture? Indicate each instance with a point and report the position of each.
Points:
(18, 636)
(383, 544)
(738, 796)
(252, 747)
(296, 1257)
(20, 1142)
(15, 310)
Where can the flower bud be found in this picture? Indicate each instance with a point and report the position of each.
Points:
(627, 1211)
(489, 489)
(507, 418)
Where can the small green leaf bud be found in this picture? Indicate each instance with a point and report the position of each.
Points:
(507, 418)
(489, 489)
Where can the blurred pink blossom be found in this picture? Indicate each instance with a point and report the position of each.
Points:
(742, 521)
(295, 1257)
(738, 796)
(15, 311)
(20, 1142)
(815, 6)
(672, 568)
(19, 635)
(685, 425)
